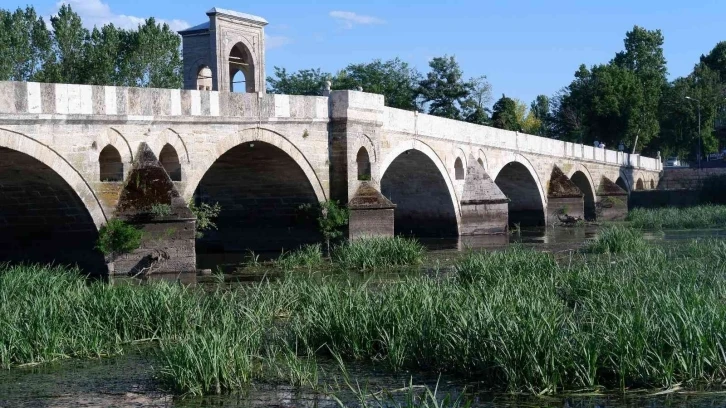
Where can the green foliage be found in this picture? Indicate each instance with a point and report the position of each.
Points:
(117, 237)
(704, 216)
(308, 256)
(516, 260)
(303, 82)
(512, 320)
(504, 114)
(160, 210)
(475, 107)
(205, 213)
(377, 253)
(616, 240)
(146, 57)
(331, 219)
(444, 89)
(394, 79)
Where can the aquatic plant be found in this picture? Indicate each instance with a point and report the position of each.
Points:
(513, 320)
(307, 256)
(704, 216)
(376, 253)
(615, 240)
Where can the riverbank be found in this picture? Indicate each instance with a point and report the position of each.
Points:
(516, 320)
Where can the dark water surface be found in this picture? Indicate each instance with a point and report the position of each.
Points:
(129, 380)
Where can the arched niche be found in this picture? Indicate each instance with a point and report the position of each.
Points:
(204, 78)
(459, 172)
(363, 163)
(170, 161)
(111, 168)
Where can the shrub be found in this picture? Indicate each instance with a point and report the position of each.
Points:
(117, 237)
(160, 210)
(204, 214)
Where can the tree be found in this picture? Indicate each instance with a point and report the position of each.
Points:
(302, 82)
(67, 65)
(26, 44)
(394, 79)
(104, 53)
(540, 109)
(443, 88)
(153, 58)
(716, 60)
(475, 108)
(504, 114)
(643, 56)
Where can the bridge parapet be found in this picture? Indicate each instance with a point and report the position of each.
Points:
(148, 103)
(422, 125)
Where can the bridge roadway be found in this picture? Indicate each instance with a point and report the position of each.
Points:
(74, 156)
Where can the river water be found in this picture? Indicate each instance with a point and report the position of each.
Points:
(129, 380)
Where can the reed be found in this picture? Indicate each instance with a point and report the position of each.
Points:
(308, 256)
(616, 240)
(704, 216)
(377, 253)
(514, 320)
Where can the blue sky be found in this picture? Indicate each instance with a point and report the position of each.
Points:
(525, 48)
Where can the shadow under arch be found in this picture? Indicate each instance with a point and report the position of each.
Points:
(583, 182)
(413, 182)
(520, 185)
(622, 183)
(260, 189)
(42, 218)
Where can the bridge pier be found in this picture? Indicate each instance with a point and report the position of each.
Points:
(563, 197)
(371, 214)
(484, 208)
(168, 240)
(612, 201)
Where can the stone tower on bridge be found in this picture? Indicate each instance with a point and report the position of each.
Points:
(225, 53)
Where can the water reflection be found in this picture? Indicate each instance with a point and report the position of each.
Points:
(129, 380)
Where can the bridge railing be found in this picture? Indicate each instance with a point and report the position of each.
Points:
(441, 128)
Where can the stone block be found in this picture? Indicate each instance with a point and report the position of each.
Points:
(371, 214)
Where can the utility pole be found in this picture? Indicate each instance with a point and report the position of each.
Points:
(699, 128)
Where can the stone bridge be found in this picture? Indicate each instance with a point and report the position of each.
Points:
(74, 156)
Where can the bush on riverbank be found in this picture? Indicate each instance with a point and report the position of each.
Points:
(376, 253)
(704, 216)
(512, 319)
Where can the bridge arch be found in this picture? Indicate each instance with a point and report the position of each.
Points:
(519, 181)
(49, 157)
(48, 212)
(257, 135)
(582, 178)
(260, 181)
(432, 185)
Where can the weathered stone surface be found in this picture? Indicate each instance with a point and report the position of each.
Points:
(612, 201)
(484, 208)
(306, 150)
(371, 214)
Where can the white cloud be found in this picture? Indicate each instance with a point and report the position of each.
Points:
(98, 13)
(276, 41)
(348, 19)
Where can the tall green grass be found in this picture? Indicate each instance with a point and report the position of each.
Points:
(704, 216)
(376, 253)
(308, 256)
(616, 240)
(512, 320)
